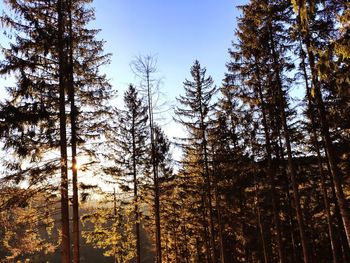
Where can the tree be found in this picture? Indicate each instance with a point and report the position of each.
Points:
(269, 19)
(145, 68)
(131, 141)
(194, 117)
(62, 83)
(48, 63)
(303, 11)
(165, 176)
(249, 61)
(112, 228)
(26, 223)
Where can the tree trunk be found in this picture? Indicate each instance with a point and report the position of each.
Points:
(218, 209)
(185, 242)
(205, 229)
(155, 175)
(198, 251)
(175, 238)
(271, 173)
(136, 212)
(115, 216)
(291, 168)
(341, 236)
(222, 252)
(260, 225)
(63, 135)
(73, 120)
(280, 158)
(208, 186)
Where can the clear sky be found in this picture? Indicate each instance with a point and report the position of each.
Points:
(177, 31)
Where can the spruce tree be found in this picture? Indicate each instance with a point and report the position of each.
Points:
(193, 113)
(131, 140)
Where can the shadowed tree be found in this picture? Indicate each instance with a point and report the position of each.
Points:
(193, 113)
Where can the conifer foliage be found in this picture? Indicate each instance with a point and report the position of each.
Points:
(264, 172)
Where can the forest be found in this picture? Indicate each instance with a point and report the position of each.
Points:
(263, 176)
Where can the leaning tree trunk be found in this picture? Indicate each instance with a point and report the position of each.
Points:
(342, 202)
(341, 235)
(332, 238)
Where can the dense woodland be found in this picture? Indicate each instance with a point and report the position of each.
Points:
(263, 177)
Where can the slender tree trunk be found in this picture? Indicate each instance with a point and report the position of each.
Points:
(218, 209)
(222, 252)
(198, 251)
(115, 216)
(63, 135)
(136, 212)
(345, 249)
(245, 238)
(291, 223)
(280, 158)
(342, 202)
(174, 226)
(204, 219)
(73, 120)
(271, 174)
(309, 223)
(166, 247)
(175, 241)
(210, 206)
(208, 186)
(291, 168)
(260, 225)
(120, 228)
(155, 175)
(185, 242)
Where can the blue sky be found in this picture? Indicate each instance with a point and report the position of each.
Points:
(177, 31)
